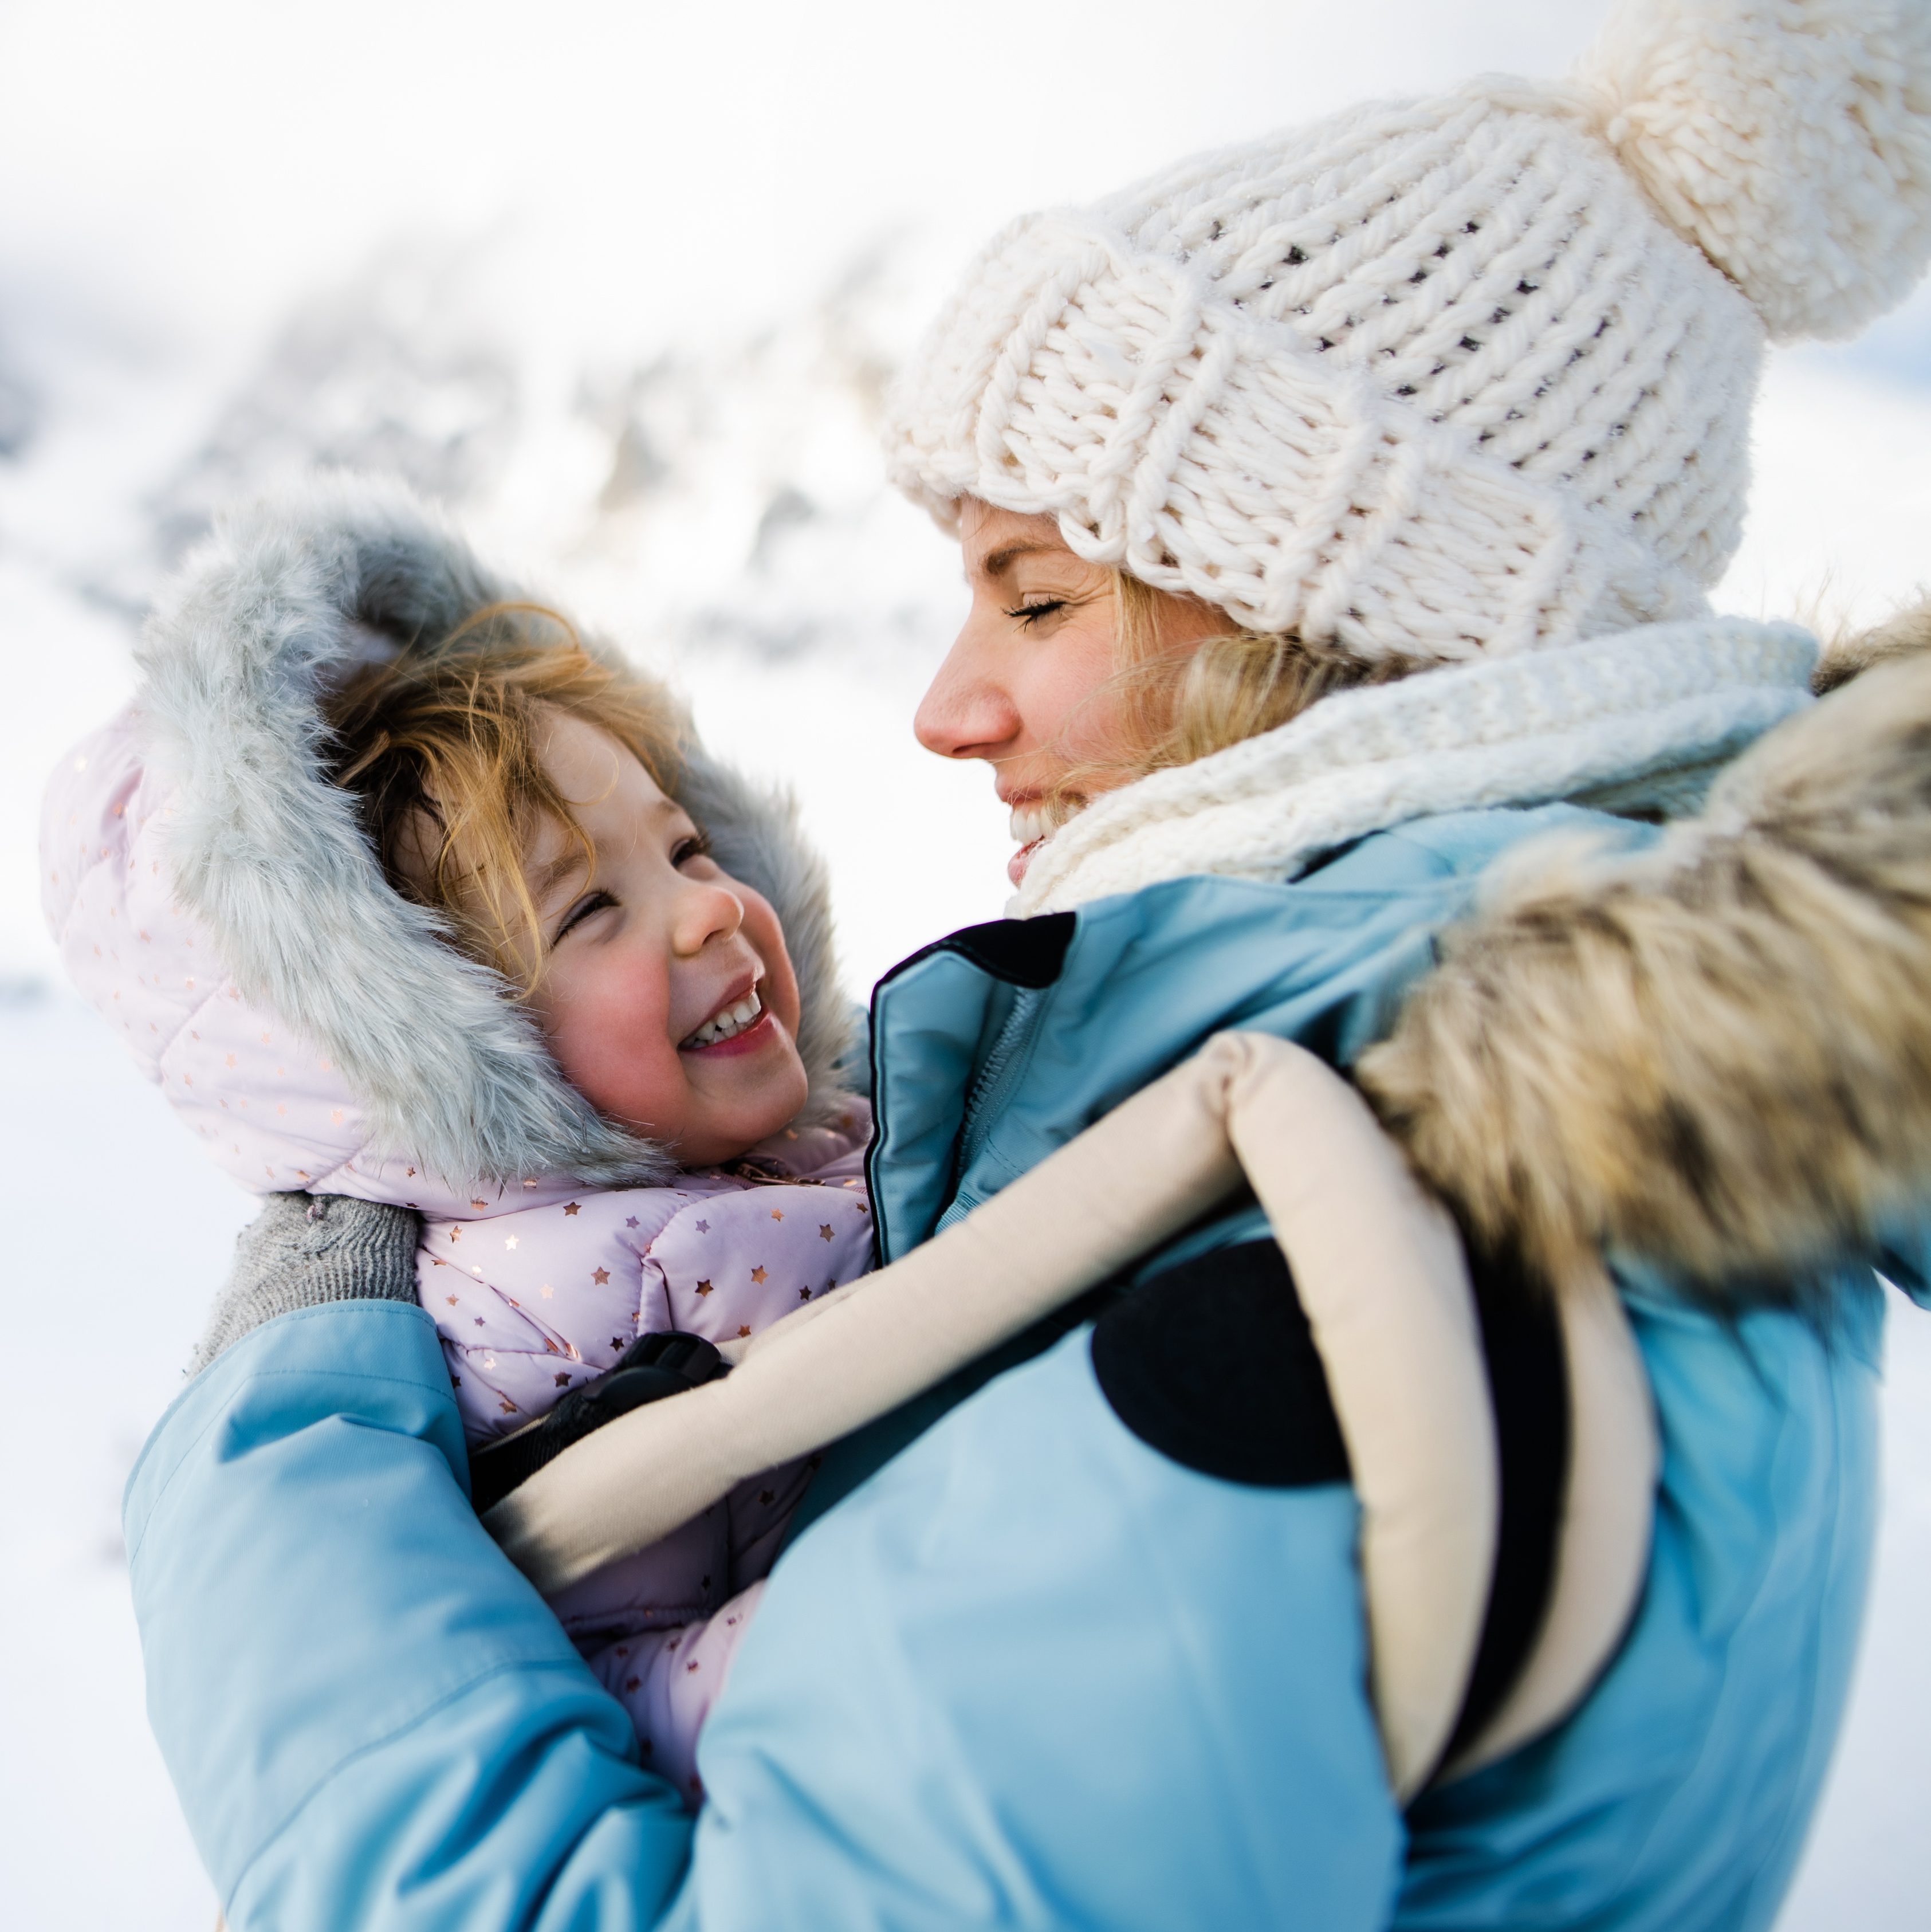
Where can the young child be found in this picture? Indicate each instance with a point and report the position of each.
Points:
(518, 800)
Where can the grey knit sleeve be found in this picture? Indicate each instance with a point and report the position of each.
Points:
(303, 1250)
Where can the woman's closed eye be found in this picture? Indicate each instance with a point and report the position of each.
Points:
(591, 903)
(1031, 611)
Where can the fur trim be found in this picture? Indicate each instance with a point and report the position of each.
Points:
(1907, 632)
(271, 856)
(1715, 1055)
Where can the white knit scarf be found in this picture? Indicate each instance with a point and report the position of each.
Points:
(1640, 718)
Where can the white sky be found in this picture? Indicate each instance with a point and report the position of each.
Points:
(217, 154)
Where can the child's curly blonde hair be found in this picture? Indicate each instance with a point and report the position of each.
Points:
(442, 751)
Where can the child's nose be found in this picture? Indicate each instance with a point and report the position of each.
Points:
(706, 911)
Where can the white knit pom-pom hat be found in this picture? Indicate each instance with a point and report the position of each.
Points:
(1447, 379)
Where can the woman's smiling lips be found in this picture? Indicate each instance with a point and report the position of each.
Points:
(1034, 820)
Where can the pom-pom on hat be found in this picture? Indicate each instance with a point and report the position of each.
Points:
(1453, 378)
(1789, 140)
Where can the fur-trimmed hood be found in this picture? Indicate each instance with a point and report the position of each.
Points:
(1714, 1054)
(215, 896)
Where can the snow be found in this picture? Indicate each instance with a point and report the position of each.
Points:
(121, 1225)
(625, 292)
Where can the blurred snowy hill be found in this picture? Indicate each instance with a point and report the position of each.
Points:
(716, 504)
(625, 292)
(704, 489)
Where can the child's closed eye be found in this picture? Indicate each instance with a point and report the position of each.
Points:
(695, 846)
(591, 903)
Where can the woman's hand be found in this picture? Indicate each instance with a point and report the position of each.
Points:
(302, 1250)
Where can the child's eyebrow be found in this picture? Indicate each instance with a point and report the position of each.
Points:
(569, 863)
(547, 878)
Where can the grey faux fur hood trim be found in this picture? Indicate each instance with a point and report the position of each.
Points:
(270, 855)
(1715, 1055)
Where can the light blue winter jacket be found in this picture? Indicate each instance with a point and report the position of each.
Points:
(1027, 1672)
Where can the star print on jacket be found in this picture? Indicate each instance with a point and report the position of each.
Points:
(565, 1287)
(583, 1277)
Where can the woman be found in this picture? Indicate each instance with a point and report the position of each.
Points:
(1339, 513)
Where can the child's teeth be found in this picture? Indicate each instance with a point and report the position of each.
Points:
(732, 1020)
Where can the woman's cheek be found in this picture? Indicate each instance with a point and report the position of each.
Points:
(1078, 714)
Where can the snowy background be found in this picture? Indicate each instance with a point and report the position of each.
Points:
(623, 286)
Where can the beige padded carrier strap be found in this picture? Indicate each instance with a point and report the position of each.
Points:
(1380, 1273)
(1602, 1539)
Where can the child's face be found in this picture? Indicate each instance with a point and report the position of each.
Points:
(666, 995)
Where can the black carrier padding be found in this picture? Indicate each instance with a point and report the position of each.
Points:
(1213, 1364)
(1528, 1385)
(652, 1367)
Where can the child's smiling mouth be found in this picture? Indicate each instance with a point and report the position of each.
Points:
(730, 1024)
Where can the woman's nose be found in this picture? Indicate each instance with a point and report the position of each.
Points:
(705, 911)
(966, 713)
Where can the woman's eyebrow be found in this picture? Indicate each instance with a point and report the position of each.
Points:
(999, 562)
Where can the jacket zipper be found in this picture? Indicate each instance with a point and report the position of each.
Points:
(990, 1087)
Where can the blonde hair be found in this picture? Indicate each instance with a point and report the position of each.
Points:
(1178, 706)
(447, 742)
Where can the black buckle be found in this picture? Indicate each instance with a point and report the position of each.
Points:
(652, 1367)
